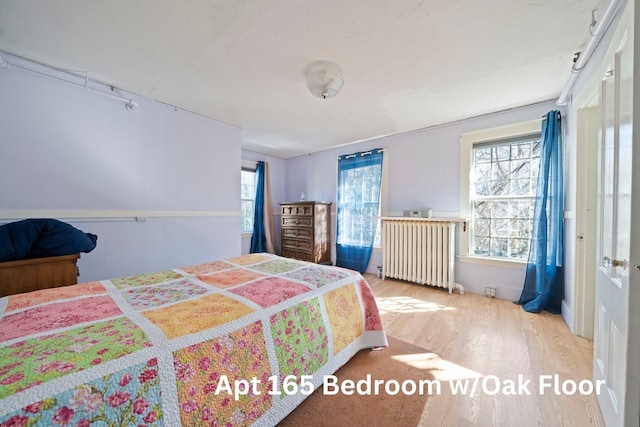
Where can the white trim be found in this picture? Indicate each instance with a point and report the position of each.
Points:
(466, 146)
(581, 318)
(384, 185)
(421, 219)
(248, 164)
(435, 214)
(507, 263)
(137, 215)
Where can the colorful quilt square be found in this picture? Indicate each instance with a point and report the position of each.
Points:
(277, 266)
(48, 317)
(270, 291)
(207, 268)
(317, 275)
(345, 316)
(372, 319)
(229, 278)
(30, 299)
(129, 397)
(154, 296)
(347, 271)
(211, 367)
(249, 259)
(37, 360)
(197, 315)
(145, 279)
(300, 339)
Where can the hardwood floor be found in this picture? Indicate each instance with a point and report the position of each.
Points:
(499, 343)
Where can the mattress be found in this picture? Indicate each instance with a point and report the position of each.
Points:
(240, 341)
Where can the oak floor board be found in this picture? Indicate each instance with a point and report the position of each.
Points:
(471, 336)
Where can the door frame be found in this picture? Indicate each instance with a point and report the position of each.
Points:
(586, 214)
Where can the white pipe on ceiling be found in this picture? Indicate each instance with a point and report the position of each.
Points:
(597, 32)
(130, 104)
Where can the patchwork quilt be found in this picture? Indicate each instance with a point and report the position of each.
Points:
(234, 342)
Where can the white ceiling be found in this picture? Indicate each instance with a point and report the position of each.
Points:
(407, 64)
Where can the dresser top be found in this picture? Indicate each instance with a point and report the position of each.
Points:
(306, 202)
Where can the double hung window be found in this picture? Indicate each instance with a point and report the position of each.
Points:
(504, 177)
(499, 176)
(358, 207)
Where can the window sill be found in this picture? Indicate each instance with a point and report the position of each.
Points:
(493, 261)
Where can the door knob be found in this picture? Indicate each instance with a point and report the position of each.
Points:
(607, 262)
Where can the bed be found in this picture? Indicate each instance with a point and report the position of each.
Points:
(240, 341)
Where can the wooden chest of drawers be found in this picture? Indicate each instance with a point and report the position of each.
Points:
(306, 231)
(39, 273)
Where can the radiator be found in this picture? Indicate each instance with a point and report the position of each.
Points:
(420, 250)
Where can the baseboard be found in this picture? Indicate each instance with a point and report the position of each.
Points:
(502, 292)
(567, 315)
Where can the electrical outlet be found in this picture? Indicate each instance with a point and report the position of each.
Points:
(490, 292)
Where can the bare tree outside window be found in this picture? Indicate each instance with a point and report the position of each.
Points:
(504, 179)
(247, 199)
(360, 187)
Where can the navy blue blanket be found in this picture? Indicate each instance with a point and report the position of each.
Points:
(38, 238)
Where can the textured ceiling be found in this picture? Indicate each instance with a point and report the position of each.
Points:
(407, 64)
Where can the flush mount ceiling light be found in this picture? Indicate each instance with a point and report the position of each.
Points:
(324, 78)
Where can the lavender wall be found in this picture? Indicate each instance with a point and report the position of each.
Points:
(423, 172)
(69, 153)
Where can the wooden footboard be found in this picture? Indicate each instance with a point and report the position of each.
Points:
(39, 273)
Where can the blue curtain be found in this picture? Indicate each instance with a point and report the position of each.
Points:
(544, 280)
(258, 238)
(359, 179)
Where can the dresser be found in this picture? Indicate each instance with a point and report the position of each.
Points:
(306, 231)
(39, 273)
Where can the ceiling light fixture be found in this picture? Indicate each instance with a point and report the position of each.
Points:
(324, 78)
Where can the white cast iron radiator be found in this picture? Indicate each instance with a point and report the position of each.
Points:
(420, 250)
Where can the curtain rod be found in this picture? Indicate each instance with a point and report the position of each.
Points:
(130, 104)
(363, 153)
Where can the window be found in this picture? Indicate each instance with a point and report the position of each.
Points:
(358, 207)
(499, 172)
(247, 198)
(503, 193)
(359, 189)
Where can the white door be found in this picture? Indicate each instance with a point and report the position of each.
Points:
(614, 231)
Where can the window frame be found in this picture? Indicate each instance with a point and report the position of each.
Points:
(247, 166)
(467, 142)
